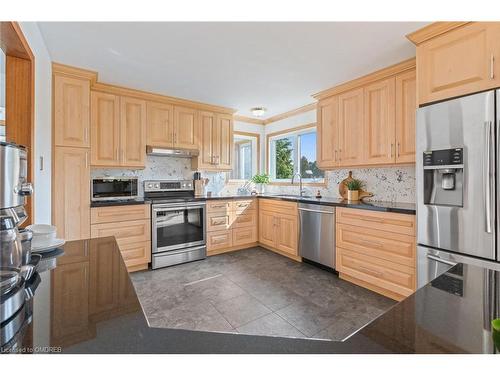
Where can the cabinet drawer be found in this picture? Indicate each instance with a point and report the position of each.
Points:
(218, 221)
(246, 205)
(136, 253)
(393, 277)
(247, 219)
(126, 232)
(218, 206)
(394, 247)
(279, 206)
(219, 240)
(242, 236)
(119, 213)
(386, 221)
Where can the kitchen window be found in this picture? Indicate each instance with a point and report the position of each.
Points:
(245, 156)
(294, 152)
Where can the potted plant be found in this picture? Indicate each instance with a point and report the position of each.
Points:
(353, 187)
(260, 180)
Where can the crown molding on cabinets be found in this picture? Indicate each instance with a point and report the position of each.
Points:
(369, 78)
(249, 120)
(433, 30)
(72, 71)
(293, 112)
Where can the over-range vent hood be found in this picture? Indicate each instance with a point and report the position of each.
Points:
(174, 152)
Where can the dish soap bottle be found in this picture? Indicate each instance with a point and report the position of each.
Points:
(318, 194)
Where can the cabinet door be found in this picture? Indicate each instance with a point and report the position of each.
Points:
(70, 304)
(71, 112)
(224, 142)
(105, 129)
(459, 62)
(351, 137)
(267, 228)
(287, 234)
(160, 124)
(207, 124)
(71, 193)
(185, 128)
(406, 104)
(379, 118)
(327, 128)
(132, 132)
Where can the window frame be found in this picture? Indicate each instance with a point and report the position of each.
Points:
(256, 136)
(295, 132)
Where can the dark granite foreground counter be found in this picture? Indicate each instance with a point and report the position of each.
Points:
(85, 303)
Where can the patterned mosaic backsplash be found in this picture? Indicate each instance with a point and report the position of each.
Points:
(391, 184)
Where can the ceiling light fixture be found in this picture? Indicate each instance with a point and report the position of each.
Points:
(258, 111)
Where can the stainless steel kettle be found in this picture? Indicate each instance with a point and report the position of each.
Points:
(10, 254)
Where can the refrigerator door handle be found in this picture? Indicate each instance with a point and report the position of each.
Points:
(488, 177)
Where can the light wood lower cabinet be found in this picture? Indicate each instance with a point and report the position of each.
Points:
(131, 227)
(231, 225)
(278, 227)
(377, 250)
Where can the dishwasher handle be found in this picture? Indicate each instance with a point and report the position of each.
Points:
(318, 211)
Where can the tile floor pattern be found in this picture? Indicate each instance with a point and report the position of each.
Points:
(255, 291)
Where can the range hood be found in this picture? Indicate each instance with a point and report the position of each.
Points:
(174, 152)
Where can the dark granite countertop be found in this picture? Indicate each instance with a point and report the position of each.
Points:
(85, 303)
(404, 208)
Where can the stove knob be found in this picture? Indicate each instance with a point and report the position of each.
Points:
(157, 186)
(150, 186)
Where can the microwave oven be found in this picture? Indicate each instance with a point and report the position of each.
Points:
(114, 188)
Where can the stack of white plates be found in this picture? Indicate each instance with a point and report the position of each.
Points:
(44, 238)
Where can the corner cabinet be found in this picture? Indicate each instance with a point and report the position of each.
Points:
(118, 131)
(370, 124)
(216, 142)
(461, 61)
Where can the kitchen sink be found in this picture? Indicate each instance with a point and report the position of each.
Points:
(293, 196)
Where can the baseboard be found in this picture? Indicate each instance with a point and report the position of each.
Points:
(138, 267)
(232, 248)
(373, 288)
(294, 257)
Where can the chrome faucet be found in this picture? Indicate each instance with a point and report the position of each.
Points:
(300, 182)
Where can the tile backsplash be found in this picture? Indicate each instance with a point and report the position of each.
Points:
(393, 184)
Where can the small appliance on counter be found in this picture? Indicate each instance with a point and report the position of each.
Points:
(178, 232)
(14, 189)
(114, 189)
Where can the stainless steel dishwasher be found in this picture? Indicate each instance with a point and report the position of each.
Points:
(317, 233)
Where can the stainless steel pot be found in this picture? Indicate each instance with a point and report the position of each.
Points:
(13, 175)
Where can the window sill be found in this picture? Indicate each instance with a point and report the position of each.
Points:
(319, 184)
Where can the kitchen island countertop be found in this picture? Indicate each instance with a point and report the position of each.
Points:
(446, 316)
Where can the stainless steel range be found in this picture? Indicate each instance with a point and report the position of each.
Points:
(177, 222)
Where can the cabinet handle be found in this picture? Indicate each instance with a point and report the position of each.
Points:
(372, 243)
(392, 150)
(117, 154)
(340, 154)
(335, 155)
(398, 151)
(86, 135)
(492, 66)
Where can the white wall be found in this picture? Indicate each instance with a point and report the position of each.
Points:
(43, 95)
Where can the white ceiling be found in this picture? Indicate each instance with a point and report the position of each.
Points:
(238, 65)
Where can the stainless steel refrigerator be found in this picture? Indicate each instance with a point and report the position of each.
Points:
(457, 173)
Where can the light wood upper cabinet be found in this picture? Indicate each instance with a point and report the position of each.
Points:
(160, 124)
(406, 105)
(351, 136)
(216, 141)
(71, 201)
(185, 128)
(71, 111)
(132, 132)
(207, 130)
(327, 126)
(462, 61)
(105, 129)
(379, 119)
(224, 142)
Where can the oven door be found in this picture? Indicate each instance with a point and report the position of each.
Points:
(178, 226)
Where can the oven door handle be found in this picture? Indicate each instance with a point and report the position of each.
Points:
(174, 206)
